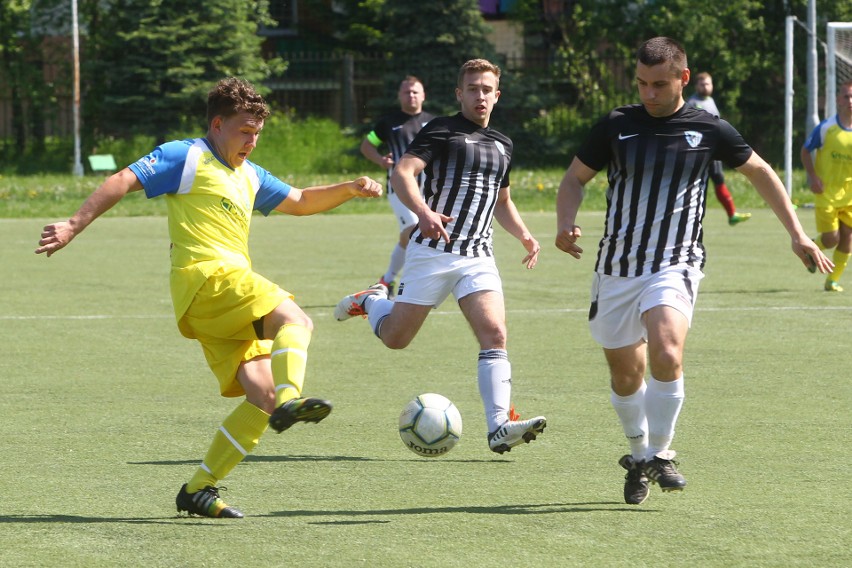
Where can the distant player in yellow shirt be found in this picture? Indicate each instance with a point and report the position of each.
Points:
(830, 178)
(254, 336)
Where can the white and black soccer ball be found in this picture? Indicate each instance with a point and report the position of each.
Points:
(430, 425)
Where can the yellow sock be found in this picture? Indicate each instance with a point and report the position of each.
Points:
(841, 259)
(235, 439)
(289, 360)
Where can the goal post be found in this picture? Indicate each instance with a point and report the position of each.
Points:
(838, 62)
(838, 69)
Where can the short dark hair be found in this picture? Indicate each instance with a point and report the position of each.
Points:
(477, 66)
(232, 96)
(659, 50)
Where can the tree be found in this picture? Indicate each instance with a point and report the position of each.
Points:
(23, 52)
(149, 63)
(740, 42)
(428, 39)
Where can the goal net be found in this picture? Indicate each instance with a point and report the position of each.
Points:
(838, 62)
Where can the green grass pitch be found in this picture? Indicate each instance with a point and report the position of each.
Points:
(106, 411)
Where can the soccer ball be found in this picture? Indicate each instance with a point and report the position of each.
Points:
(430, 425)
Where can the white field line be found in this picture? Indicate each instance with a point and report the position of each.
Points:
(322, 313)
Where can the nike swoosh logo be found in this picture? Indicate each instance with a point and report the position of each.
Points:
(469, 141)
(396, 128)
(623, 137)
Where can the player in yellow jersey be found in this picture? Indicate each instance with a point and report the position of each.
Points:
(830, 178)
(253, 334)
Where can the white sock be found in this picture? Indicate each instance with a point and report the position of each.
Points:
(631, 412)
(377, 308)
(494, 374)
(397, 261)
(663, 402)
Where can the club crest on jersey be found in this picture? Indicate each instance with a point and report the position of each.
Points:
(500, 147)
(693, 138)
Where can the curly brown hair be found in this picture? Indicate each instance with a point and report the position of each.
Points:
(232, 96)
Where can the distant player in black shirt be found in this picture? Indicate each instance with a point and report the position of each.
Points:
(467, 165)
(651, 256)
(395, 131)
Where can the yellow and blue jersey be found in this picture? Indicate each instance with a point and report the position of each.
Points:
(833, 164)
(210, 207)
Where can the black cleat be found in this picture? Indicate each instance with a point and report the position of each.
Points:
(664, 472)
(636, 485)
(205, 503)
(299, 410)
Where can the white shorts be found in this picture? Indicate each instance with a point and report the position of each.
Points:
(404, 217)
(615, 314)
(432, 275)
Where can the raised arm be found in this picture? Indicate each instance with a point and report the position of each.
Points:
(56, 236)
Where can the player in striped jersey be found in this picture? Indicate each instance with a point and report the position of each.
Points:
(396, 130)
(467, 165)
(254, 336)
(651, 255)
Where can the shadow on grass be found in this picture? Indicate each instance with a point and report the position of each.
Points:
(24, 519)
(277, 459)
(530, 509)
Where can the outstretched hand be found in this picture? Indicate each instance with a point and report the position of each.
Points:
(566, 240)
(55, 237)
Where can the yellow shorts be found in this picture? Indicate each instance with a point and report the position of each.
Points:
(828, 218)
(222, 316)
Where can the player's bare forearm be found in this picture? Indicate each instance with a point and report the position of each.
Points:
(510, 219)
(57, 236)
(771, 189)
(568, 201)
(317, 199)
(372, 153)
(814, 181)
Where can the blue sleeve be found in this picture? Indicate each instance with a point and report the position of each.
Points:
(160, 171)
(814, 141)
(272, 191)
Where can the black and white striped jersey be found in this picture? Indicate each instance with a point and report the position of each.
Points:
(396, 130)
(466, 166)
(657, 173)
